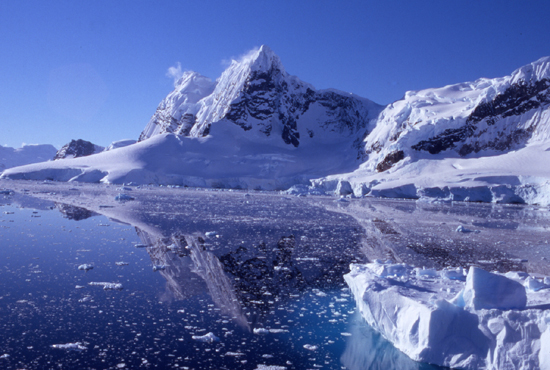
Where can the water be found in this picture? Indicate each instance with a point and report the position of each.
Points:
(263, 273)
(266, 282)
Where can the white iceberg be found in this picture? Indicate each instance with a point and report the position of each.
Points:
(490, 321)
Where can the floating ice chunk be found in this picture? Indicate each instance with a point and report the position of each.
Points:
(107, 286)
(79, 287)
(462, 229)
(140, 245)
(485, 290)
(181, 311)
(416, 316)
(85, 267)
(121, 197)
(206, 338)
(270, 367)
(121, 263)
(4, 356)
(311, 347)
(76, 346)
(260, 331)
(159, 268)
(534, 284)
(210, 234)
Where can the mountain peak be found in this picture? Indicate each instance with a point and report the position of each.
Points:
(262, 59)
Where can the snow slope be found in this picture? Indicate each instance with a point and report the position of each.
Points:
(223, 159)
(11, 157)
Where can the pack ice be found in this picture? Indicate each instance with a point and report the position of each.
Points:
(478, 320)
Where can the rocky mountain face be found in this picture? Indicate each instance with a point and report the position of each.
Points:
(485, 117)
(77, 148)
(259, 96)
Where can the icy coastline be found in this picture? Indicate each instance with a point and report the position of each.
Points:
(478, 320)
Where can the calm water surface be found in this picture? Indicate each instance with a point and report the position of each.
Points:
(263, 275)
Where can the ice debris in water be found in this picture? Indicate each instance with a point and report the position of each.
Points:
(140, 245)
(310, 347)
(121, 197)
(270, 367)
(260, 331)
(462, 229)
(76, 346)
(107, 286)
(210, 234)
(85, 267)
(121, 263)
(206, 338)
(488, 321)
(6, 192)
(159, 268)
(4, 356)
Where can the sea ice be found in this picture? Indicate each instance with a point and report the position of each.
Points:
(495, 323)
(124, 197)
(206, 338)
(76, 346)
(107, 286)
(85, 267)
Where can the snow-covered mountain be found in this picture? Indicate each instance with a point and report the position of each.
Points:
(485, 140)
(260, 97)
(256, 126)
(11, 157)
(474, 119)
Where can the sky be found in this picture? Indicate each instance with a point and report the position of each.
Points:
(97, 70)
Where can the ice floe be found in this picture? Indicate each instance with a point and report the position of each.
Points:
(107, 286)
(490, 320)
(85, 267)
(76, 346)
(206, 338)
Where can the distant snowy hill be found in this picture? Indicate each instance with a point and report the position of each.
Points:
(256, 126)
(11, 157)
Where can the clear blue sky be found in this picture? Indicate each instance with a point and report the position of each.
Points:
(96, 70)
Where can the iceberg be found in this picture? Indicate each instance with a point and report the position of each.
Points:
(488, 321)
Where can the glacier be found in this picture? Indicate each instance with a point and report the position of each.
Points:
(461, 320)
